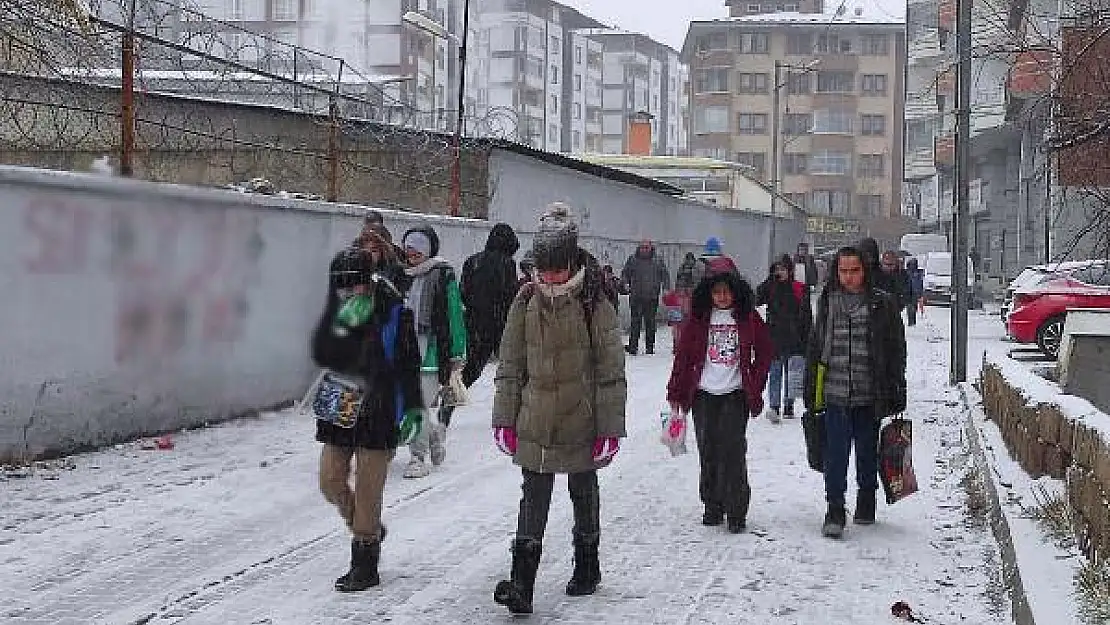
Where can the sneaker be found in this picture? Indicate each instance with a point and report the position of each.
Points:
(632, 351)
(788, 411)
(773, 415)
(835, 519)
(417, 468)
(437, 441)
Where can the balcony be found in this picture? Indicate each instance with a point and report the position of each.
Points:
(944, 151)
(1031, 74)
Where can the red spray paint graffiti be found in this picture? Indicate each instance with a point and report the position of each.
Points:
(180, 276)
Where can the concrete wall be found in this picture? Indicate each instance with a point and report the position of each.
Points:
(135, 307)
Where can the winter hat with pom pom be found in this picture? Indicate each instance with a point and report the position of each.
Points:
(556, 242)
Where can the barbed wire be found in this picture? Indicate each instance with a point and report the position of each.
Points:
(215, 104)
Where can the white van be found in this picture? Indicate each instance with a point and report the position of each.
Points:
(938, 277)
(918, 245)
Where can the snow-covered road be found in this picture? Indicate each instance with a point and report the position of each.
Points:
(229, 527)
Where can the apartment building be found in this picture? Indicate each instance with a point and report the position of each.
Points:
(840, 108)
(640, 75)
(740, 8)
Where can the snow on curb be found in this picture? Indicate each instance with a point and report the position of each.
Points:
(1039, 574)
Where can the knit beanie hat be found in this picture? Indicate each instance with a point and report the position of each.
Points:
(556, 242)
(712, 246)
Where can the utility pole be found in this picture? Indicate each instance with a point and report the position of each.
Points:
(456, 169)
(960, 216)
(774, 161)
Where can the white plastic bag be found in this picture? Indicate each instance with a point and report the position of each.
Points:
(673, 434)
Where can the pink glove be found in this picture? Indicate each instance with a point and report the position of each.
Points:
(505, 438)
(605, 448)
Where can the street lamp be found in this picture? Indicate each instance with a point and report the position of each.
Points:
(776, 141)
(435, 29)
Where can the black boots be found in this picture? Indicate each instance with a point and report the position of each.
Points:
(587, 571)
(736, 525)
(835, 520)
(865, 508)
(364, 567)
(516, 593)
(714, 515)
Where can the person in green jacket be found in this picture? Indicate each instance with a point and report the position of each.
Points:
(436, 302)
(559, 405)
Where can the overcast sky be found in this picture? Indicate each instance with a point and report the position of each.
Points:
(667, 20)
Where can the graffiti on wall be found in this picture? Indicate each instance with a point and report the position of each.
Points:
(180, 277)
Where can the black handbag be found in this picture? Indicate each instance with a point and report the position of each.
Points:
(813, 427)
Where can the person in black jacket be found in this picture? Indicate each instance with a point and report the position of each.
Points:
(859, 344)
(789, 319)
(380, 355)
(488, 285)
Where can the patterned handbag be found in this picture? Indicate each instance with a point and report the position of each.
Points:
(336, 399)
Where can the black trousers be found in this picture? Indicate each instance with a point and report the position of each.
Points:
(721, 427)
(911, 314)
(481, 343)
(643, 316)
(531, 522)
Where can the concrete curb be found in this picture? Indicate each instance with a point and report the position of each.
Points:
(1011, 574)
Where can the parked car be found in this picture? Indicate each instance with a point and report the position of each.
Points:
(1034, 275)
(938, 278)
(1039, 310)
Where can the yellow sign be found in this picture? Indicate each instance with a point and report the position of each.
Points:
(832, 225)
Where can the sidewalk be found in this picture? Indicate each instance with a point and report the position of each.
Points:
(228, 527)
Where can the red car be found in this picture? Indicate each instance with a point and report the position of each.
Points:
(1038, 311)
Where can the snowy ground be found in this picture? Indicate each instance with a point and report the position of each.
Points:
(229, 527)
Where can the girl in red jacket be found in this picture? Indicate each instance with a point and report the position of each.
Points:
(720, 369)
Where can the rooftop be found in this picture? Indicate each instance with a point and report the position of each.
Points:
(850, 17)
(620, 32)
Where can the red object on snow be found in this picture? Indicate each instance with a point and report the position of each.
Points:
(164, 442)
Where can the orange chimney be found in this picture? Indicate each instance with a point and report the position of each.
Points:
(639, 133)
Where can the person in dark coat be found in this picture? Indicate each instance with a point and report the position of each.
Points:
(381, 356)
(646, 276)
(684, 281)
(917, 290)
(489, 284)
(858, 345)
(719, 370)
(789, 319)
(897, 279)
(805, 269)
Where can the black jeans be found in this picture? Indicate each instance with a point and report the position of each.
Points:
(480, 346)
(643, 315)
(721, 427)
(911, 314)
(531, 522)
(845, 428)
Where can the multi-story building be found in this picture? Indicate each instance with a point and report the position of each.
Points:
(737, 8)
(641, 75)
(840, 108)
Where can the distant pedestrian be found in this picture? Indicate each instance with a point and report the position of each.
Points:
(805, 269)
(789, 317)
(647, 277)
(560, 403)
(612, 286)
(917, 291)
(718, 375)
(684, 280)
(711, 252)
(855, 376)
(527, 269)
(393, 415)
(489, 284)
(437, 305)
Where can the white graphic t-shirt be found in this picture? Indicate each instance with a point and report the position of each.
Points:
(721, 375)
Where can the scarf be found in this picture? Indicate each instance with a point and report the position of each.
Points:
(423, 292)
(555, 291)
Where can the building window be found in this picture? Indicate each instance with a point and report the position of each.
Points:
(712, 80)
(754, 43)
(799, 43)
(711, 119)
(795, 163)
(873, 125)
(554, 74)
(794, 124)
(869, 205)
(577, 140)
(751, 123)
(757, 161)
(753, 8)
(835, 82)
(553, 134)
(715, 41)
(831, 43)
(555, 45)
(875, 45)
(829, 202)
(578, 54)
(833, 121)
(871, 166)
(554, 104)
(578, 82)
(830, 163)
(799, 83)
(873, 84)
(284, 10)
(790, 8)
(577, 111)
(752, 83)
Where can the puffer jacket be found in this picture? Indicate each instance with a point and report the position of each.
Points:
(561, 382)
